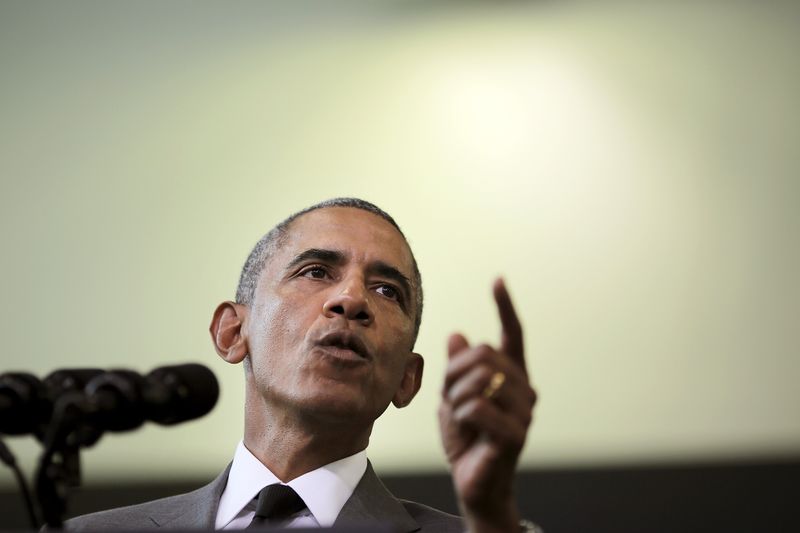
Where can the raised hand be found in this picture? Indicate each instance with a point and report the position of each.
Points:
(484, 417)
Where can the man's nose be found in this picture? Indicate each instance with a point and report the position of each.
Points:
(350, 301)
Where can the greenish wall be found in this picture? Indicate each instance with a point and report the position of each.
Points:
(631, 170)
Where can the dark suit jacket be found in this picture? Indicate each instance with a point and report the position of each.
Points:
(371, 502)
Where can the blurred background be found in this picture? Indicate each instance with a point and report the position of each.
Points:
(630, 168)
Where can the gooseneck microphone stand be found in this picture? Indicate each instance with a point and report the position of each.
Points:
(8, 459)
(60, 466)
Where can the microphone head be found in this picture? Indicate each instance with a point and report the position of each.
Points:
(116, 402)
(69, 379)
(23, 403)
(179, 393)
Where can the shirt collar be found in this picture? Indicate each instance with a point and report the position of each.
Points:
(324, 490)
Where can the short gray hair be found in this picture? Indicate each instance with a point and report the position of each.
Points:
(276, 237)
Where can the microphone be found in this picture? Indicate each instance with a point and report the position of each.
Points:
(121, 400)
(26, 402)
(22, 403)
(116, 400)
(70, 410)
(180, 393)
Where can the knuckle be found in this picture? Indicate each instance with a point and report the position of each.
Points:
(484, 349)
(483, 373)
(484, 353)
(471, 409)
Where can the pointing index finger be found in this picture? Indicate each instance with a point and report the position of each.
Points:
(511, 336)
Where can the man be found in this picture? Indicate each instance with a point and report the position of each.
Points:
(325, 320)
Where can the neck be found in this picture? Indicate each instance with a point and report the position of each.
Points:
(291, 442)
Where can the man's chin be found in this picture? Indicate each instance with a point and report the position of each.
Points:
(340, 402)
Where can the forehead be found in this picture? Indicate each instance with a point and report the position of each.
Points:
(359, 234)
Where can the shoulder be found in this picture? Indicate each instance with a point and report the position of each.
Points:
(430, 519)
(140, 516)
(372, 503)
(192, 510)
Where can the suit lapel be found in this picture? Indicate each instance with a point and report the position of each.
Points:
(197, 510)
(372, 502)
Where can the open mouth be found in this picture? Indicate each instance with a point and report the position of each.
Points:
(344, 344)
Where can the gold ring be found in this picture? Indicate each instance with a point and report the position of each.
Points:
(494, 386)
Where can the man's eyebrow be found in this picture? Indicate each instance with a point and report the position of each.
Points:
(388, 271)
(331, 257)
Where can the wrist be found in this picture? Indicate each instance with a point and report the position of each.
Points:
(503, 519)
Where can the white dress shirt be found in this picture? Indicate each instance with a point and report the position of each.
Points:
(324, 490)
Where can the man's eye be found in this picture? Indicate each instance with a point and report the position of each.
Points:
(315, 273)
(389, 292)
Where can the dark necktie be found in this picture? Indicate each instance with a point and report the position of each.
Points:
(276, 503)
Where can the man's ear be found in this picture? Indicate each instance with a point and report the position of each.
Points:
(412, 380)
(227, 331)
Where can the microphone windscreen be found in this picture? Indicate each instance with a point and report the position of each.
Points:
(23, 403)
(180, 393)
(69, 379)
(116, 400)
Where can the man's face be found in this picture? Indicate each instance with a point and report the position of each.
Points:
(332, 319)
